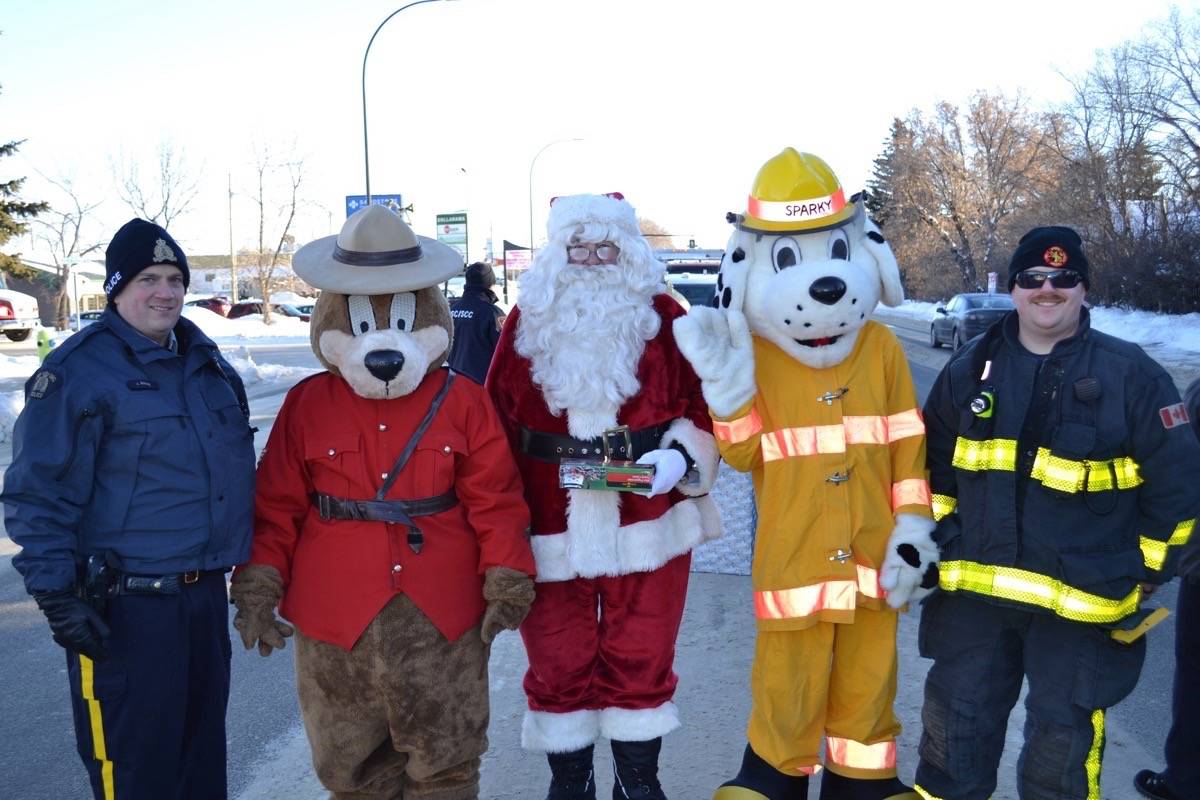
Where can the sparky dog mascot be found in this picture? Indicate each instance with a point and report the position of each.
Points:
(389, 526)
(815, 399)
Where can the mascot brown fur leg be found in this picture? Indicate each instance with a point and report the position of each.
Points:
(382, 719)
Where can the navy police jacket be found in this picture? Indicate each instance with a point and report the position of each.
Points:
(128, 448)
(1060, 482)
(476, 332)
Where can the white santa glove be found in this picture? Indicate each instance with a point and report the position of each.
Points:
(910, 568)
(669, 469)
(718, 345)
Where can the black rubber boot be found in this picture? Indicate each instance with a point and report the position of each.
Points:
(571, 775)
(635, 770)
(838, 787)
(758, 779)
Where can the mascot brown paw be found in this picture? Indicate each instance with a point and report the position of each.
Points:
(509, 594)
(256, 590)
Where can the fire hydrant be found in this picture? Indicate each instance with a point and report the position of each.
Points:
(44, 344)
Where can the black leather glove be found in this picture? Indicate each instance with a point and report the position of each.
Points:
(75, 624)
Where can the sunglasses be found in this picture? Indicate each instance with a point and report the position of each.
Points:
(605, 252)
(1059, 279)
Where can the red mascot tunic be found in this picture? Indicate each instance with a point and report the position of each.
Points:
(612, 566)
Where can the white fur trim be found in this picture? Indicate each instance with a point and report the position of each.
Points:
(899, 579)
(702, 447)
(595, 545)
(548, 732)
(640, 725)
(589, 424)
(579, 209)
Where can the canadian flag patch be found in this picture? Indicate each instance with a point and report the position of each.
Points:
(1173, 416)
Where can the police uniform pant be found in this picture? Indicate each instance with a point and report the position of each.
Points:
(981, 652)
(150, 719)
(831, 684)
(601, 658)
(402, 714)
(1183, 741)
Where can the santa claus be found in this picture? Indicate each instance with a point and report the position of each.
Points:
(587, 368)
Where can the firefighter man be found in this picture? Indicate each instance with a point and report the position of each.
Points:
(1063, 474)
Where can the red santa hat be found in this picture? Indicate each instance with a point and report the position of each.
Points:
(570, 211)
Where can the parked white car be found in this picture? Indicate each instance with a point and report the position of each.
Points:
(18, 313)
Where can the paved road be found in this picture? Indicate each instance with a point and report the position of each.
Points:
(268, 757)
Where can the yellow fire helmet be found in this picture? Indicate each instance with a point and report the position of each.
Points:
(796, 192)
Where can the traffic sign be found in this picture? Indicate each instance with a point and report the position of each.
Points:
(356, 201)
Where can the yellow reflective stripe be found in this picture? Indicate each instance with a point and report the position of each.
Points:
(99, 751)
(1030, 588)
(905, 424)
(836, 595)
(738, 430)
(943, 506)
(1092, 764)
(1154, 551)
(924, 794)
(976, 455)
(849, 753)
(1068, 475)
(910, 492)
(868, 582)
(817, 439)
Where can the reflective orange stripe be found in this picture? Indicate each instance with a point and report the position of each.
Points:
(905, 424)
(914, 491)
(850, 753)
(815, 439)
(839, 595)
(738, 430)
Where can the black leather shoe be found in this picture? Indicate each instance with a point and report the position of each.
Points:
(1153, 785)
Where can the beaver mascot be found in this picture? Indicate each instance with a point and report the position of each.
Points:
(815, 400)
(389, 526)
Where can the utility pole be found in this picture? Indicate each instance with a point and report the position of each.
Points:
(232, 254)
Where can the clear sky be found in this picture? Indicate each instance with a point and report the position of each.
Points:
(677, 103)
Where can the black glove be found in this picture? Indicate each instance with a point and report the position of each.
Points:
(75, 624)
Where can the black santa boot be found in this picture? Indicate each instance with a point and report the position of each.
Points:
(571, 775)
(758, 780)
(635, 770)
(838, 787)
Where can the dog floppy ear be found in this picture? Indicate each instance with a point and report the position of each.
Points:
(892, 291)
(735, 266)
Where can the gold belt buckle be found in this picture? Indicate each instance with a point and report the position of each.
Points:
(191, 577)
(620, 430)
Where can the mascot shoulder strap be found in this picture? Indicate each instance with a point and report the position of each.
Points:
(416, 437)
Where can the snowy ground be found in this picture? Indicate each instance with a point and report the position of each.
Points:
(1172, 335)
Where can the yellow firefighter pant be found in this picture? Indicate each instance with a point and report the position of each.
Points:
(832, 682)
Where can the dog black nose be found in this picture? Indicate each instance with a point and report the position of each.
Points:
(827, 290)
(384, 364)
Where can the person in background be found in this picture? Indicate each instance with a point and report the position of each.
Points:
(1181, 779)
(1064, 480)
(131, 493)
(477, 323)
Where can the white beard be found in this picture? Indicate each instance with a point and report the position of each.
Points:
(585, 345)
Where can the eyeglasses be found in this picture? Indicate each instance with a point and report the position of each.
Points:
(605, 253)
(1059, 279)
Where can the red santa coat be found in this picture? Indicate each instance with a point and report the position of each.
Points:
(339, 574)
(592, 533)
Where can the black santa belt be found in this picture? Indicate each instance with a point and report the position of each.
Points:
(619, 443)
(397, 512)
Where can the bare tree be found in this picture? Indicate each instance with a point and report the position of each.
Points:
(276, 197)
(655, 233)
(61, 230)
(163, 197)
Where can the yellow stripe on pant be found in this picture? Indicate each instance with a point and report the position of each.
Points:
(1092, 764)
(99, 751)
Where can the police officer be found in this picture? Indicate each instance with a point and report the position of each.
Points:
(477, 323)
(1063, 475)
(1181, 779)
(131, 493)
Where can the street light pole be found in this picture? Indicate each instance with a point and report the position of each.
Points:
(545, 147)
(366, 150)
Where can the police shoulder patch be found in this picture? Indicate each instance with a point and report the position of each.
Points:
(44, 382)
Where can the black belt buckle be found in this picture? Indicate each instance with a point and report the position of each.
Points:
(191, 577)
(626, 436)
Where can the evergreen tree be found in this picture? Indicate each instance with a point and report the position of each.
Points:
(880, 190)
(12, 211)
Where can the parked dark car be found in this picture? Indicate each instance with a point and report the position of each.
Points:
(217, 305)
(965, 317)
(256, 307)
